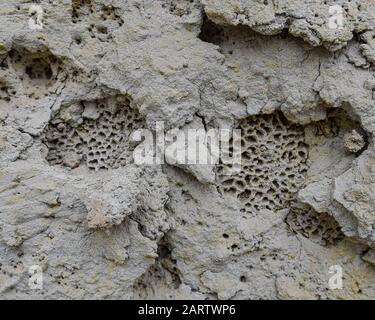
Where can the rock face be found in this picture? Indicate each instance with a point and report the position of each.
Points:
(79, 77)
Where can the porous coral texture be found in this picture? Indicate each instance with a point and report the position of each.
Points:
(79, 79)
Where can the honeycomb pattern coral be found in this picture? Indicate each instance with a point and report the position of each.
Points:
(273, 163)
(318, 227)
(95, 133)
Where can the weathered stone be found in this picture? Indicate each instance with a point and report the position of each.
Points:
(75, 202)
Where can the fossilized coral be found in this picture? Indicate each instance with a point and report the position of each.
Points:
(273, 163)
(96, 133)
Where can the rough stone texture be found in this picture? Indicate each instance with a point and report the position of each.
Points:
(73, 202)
(354, 141)
(273, 165)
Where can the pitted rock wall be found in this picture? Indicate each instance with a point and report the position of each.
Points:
(74, 203)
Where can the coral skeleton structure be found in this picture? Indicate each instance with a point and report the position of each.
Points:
(81, 218)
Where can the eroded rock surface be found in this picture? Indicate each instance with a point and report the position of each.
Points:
(74, 203)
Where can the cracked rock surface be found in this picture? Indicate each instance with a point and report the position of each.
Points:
(100, 226)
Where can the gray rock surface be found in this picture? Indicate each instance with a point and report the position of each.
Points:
(100, 226)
